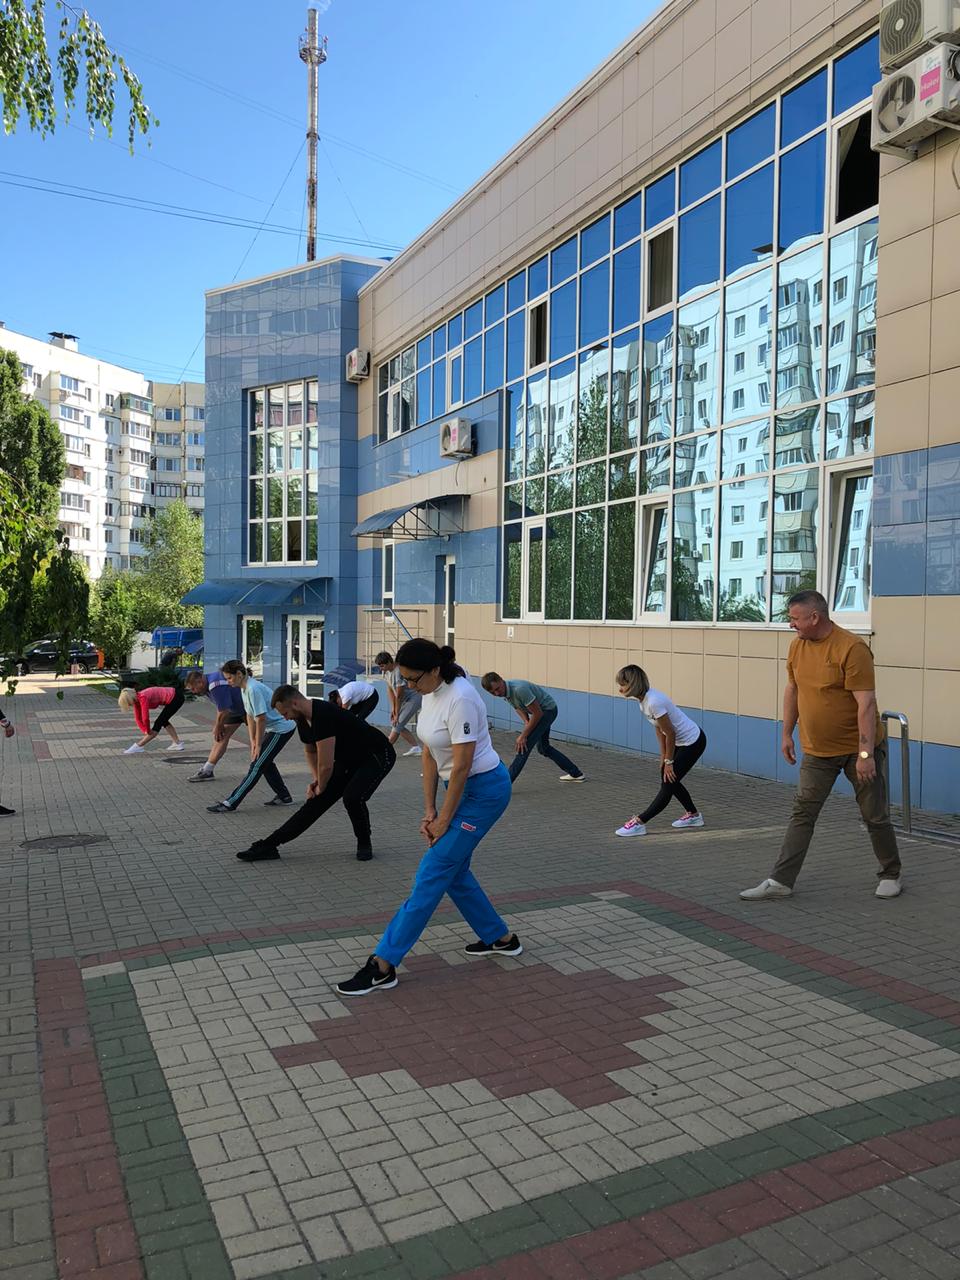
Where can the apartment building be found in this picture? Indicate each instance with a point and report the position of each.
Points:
(689, 347)
(119, 464)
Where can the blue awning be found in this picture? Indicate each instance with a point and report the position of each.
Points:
(343, 674)
(423, 519)
(262, 592)
(175, 637)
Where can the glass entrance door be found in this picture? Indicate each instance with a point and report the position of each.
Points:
(251, 644)
(305, 655)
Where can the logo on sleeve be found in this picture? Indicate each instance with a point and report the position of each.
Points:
(466, 826)
(466, 726)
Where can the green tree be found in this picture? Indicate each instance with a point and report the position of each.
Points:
(114, 621)
(32, 466)
(172, 565)
(28, 80)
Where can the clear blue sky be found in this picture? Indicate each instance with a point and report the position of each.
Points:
(438, 88)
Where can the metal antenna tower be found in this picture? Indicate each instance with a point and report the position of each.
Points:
(313, 51)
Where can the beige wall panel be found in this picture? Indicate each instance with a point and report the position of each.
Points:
(557, 666)
(946, 255)
(945, 333)
(898, 623)
(904, 272)
(757, 687)
(720, 692)
(657, 640)
(944, 414)
(721, 640)
(699, 79)
(687, 639)
(906, 196)
(784, 641)
(901, 689)
(941, 648)
(578, 667)
(941, 698)
(686, 687)
(727, 10)
(759, 644)
(902, 416)
(603, 669)
(659, 669)
(699, 22)
(946, 203)
(903, 344)
(600, 638)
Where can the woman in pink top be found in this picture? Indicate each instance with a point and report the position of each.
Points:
(141, 702)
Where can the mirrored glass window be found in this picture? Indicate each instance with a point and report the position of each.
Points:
(627, 220)
(849, 426)
(802, 184)
(692, 584)
(654, 469)
(563, 320)
(593, 403)
(851, 583)
(559, 564)
(563, 413)
(655, 552)
(749, 227)
(440, 387)
(746, 450)
(473, 369)
(537, 278)
(493, 306)
(661, 200)
(516, 291)
(563, 261)
(512, 570)
(795, 523)
(515, 410)
(747, 330)
(626, 286)
(440, 342)
(800, 333)
(424, 389)
(742, 594)
(493, 358)
(595, 241)
(455, 332)
(695, 460)
(803, 108)
(516, 330)
(536, 421)
(698, 372)
(751, 142)
(623, 476)
(657, 404)
(595, 303)
(560, 490)
(852, 339)
(855, 74)
(621, 555)
(699, 248)
(591, 483)
(473, 320)
(797, 437)
(625, 392)
(700, 174)
(424, 352)
(588, 573)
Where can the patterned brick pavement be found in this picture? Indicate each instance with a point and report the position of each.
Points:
(669, 1083)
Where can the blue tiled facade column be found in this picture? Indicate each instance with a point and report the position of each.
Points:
(280, 329)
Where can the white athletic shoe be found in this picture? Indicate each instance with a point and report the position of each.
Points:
(134, 750)
(573, 777)
(767, 889)
(889, 888)
(689, 820)
(177, 746)
(414, 751)
(632, 827)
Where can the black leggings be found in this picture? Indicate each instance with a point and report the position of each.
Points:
(364, 708)
(168, 712)
(684, 758)
(353, 786)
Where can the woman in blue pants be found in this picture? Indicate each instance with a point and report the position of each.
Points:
(456, 748)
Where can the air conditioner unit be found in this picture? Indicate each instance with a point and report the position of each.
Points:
(907, 27)
(358, 365)
(918, 100)
(456, 439)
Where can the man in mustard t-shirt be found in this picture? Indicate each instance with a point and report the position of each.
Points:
(831, 690)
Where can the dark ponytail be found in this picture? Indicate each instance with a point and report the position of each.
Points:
(424, 655)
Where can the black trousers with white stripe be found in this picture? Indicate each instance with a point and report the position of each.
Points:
(263, 767)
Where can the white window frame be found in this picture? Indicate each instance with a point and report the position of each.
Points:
(646, 523)
(526, 613)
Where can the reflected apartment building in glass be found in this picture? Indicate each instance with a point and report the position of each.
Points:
(688, 386)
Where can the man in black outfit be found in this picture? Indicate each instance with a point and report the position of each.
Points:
(348, 758)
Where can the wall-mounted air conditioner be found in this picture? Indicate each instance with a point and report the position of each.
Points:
(907, 27)
(358, 365)
(456, 439)
(918, 100)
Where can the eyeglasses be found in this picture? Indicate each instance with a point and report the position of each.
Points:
(414, 680)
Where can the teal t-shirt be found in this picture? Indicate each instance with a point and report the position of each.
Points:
(256, 702)
(520, 693)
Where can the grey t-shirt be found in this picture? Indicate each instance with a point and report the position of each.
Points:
(521, 693)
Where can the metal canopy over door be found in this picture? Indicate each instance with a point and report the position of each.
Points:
(305, 655)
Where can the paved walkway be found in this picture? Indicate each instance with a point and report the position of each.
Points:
(670, 1083)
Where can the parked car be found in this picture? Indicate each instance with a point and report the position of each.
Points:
(43, 655)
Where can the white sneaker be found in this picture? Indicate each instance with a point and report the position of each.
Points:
(689, 820)
(767, 889)
(135, 750)
(889, 888)
(177, 746)
(414, 751)
(573, 777)
(632, 827)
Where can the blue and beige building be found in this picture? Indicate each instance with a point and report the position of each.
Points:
(692, 345)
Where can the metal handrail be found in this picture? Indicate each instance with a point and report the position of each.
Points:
(389, 613)
(905, 806)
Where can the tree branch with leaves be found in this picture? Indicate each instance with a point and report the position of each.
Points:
(28, 84)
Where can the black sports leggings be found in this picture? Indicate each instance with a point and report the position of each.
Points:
(684, 758)
(168, 712)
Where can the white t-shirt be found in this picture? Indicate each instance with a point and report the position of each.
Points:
(456, 713)
(355, 691)
(657, 704)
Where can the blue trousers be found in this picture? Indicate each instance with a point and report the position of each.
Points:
(540, 739)
(445, 868)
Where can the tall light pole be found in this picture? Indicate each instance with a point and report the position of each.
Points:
(313, 51)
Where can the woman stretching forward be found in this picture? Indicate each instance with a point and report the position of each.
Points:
(141, 702)
(269, 734)
(456, 748)
(681, 742)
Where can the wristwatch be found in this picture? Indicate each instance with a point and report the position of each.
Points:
(865, 755)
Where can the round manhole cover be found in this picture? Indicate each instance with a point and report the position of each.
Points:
(180, 759)
(71, 840)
